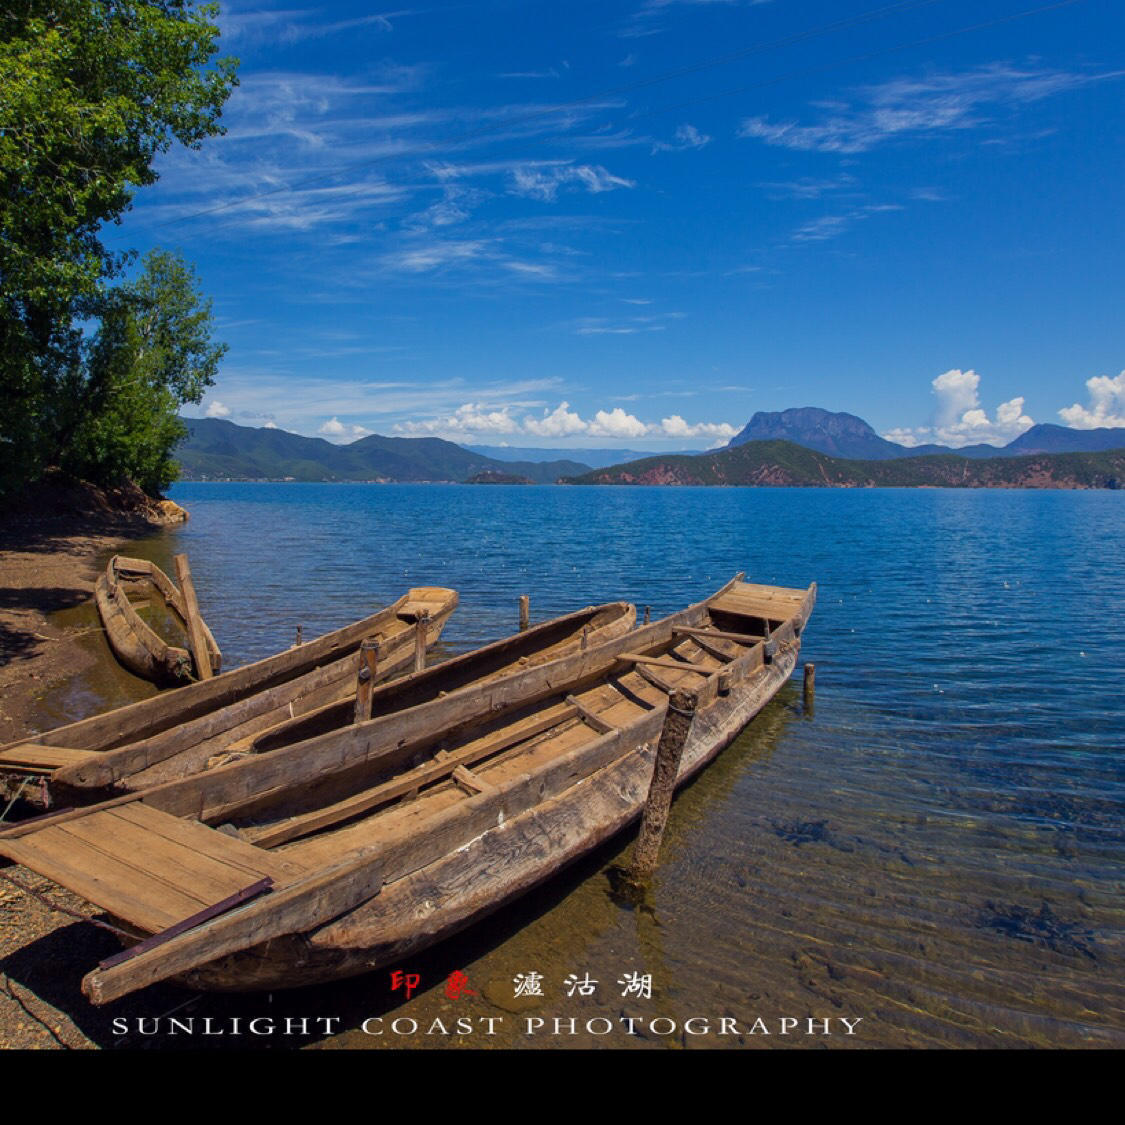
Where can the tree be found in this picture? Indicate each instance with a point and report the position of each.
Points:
(91, 91)
(151, 354)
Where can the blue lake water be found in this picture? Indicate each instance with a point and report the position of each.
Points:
(937, 848)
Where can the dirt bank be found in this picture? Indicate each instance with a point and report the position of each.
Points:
(48, 550)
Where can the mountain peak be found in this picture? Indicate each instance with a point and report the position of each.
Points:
(835, 433)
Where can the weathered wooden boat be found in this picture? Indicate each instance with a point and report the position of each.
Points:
(326, 700)
(80, 759)
(358, 847)
(135, 644)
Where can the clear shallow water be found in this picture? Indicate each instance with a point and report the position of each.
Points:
(937, 848)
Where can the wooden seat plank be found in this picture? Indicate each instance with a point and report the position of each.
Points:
(122, 889)
(236, 853)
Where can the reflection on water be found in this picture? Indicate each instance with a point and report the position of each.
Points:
(936, 851)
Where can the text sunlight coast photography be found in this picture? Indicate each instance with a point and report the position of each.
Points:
(574, 526)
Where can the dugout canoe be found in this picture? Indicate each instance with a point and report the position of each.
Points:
(135, 644)
(327, 701)
(79, 760)
(357, 848)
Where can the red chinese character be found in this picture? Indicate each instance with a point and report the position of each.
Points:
(409, 981)
(458, 985)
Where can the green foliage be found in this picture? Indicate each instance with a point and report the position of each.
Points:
(152, 354)
(91, 91)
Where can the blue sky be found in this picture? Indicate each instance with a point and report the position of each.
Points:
(590, 224)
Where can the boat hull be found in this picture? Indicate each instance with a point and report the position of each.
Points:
(504, 863)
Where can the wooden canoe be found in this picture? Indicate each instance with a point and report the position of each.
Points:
(367, 844)
(211, 712)
(137, 646)
(324, 701)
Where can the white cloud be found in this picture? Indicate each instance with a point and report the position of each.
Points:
(537, 181)
(1107, 404)
(959, 418)
(687, 136)
(560, 422)
(905, 107)
(675, 426)
(617, 424)
(270, 426)
(216, 409)
(474, 419)
(335, 430)
(469, 418)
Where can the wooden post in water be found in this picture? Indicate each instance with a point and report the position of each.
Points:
(525, 612)
(648, 614)
(366, 667)
(421, 628)
(673, 736)
(810, 686)
(300, 639)
(196, 638)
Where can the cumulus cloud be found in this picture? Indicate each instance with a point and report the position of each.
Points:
(1106, 408)
(675, 426)
(563, 422)
(337, 431)
(959, 418)
(469, 418)
(216, 409)
(616, 423)
(560, 422)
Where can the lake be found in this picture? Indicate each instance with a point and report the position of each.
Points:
(935, 849)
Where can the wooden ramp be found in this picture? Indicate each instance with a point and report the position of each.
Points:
(148, 868)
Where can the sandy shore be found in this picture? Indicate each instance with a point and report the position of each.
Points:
(46, 565)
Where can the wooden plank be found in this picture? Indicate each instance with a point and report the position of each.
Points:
(34, 755)
(718, 634)
(144, 900)
(199, 652)
(591, 718)
(471, 782)
(654, 678)
(235, 853)
(671, 665)
(711, 648)
(367, 666)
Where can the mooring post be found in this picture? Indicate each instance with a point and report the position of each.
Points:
(525, 612)
(810, 685)
(200, 653)
(420, 630)
(648, 614)
(673, 736)
(300, 640)
(366, 667)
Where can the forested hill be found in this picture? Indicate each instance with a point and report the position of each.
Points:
(783, 464)
(219, 450)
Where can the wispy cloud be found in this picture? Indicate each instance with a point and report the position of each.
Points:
(687, 137)
(294, 25)
(630, 326)
(543, 180)
(918, 107)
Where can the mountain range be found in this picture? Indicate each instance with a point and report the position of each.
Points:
(844, 435)
(216, 449)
